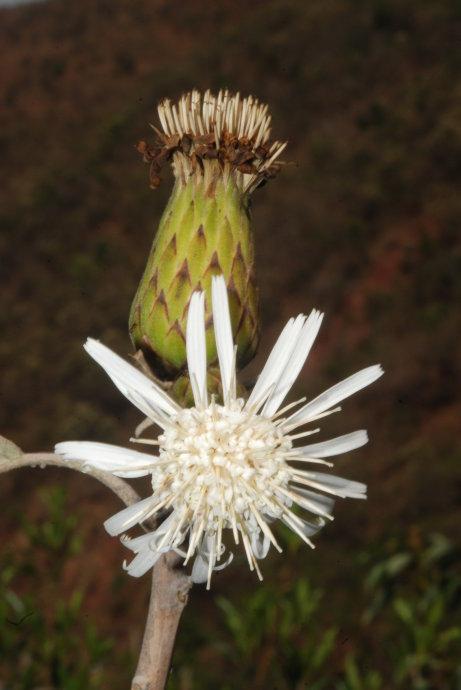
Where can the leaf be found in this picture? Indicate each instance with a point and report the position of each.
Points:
(404, 611)
(9, 450)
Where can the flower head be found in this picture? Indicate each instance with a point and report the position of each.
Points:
(220, 150)
(230, 465)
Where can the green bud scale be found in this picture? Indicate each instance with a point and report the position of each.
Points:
(220, 152)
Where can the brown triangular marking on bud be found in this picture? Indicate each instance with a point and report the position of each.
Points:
(201, 234)
(233, 289)
(183, 274)
(162, 301)
(251, 277)
(238, 256)
(176, 328)
(173, 245)
(154, 280)
(214, 267)
(238, 251)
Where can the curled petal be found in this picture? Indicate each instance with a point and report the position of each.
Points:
(260, 544)
(128, 517)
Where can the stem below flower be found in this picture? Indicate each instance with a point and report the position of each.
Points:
(169, 593)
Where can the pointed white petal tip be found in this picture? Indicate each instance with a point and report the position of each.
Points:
(300, 346)
(284, 362)
(331, 484)
(340, 391)
(128, 517)
(336, 446)
(139, 389)
(142, 562)
(223, 335)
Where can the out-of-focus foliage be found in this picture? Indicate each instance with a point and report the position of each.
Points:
(406, 621)
(277, 637)
(415, 595)
(47, 642)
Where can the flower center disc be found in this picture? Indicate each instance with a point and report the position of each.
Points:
(221, 460)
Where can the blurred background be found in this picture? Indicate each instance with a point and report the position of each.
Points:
(363, 223)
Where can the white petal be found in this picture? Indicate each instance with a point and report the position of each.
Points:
(223, 336)
(276, 362)
(196, 348)
(259, 545)
(108, 458)
(301, 349)
(338, 486)
(335, 394)
(225, 563)
(335, 446)
(142, 562)
(151, 539)
(141, 543)
(140, 390)
(201, 568)
(307, 528)
(126, 518)
(314, 502)
(199, 573)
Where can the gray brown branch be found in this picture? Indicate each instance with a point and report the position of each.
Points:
(118, 486)
(170, 584)
(162, 623)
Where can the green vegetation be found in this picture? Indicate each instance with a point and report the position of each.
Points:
(278, 635)
(46, 638)
(408, 636)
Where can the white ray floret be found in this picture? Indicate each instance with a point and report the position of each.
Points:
(229, 466)
(123, 462)
(223, 336)
(196, 348)
(335, 446)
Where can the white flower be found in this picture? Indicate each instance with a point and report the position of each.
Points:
(230, 466)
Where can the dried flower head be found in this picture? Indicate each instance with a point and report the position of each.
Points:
(227, 466)
(210, 135)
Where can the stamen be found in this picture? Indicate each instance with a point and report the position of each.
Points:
(288, 407)
(265, 528)
(211, 563)
(303, 434)
(146, 441)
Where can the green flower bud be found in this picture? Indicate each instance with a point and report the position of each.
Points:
(220, 152)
